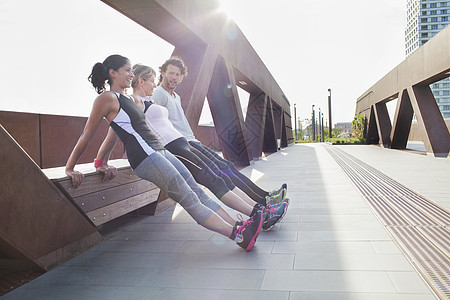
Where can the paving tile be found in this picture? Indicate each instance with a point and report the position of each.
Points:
(409, 282)
(233, 260)
(355, 220)
(352, 262)
(202, 234)
(291, 218)
(356, 296)
(163, 227)
(328, 281)
(130, 259)
(338, 226)
(324, 248)
(92, 276)
(225, 247)
(276, 234)
(138, 246)
(199, 279)
(77, 292)
(216, 294)
(362, 210)
(386, 247)
(343, 235)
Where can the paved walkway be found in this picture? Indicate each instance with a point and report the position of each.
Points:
(330, 245)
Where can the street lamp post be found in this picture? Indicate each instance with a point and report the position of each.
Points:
(300, 125)
(295, 121)
(329, 114)
(323, 130)
(313, 124)
(320, 127)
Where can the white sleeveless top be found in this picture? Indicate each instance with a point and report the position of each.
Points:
(157, 118)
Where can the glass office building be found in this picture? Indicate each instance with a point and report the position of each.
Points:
(425, 18)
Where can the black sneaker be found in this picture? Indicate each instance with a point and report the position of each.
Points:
(274, 214)
(246, 233)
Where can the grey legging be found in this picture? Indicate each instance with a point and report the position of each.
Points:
(172, 177)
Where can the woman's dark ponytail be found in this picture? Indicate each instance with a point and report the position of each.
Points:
(100, 71)
(98, 77)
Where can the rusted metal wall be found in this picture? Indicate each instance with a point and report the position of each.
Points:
(39, 226)
(409, 83)
(416, 134)
(207, 136)
(49, 139)
(219, 58)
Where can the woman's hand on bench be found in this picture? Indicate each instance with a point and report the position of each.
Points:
(109, 171)
(77, 177)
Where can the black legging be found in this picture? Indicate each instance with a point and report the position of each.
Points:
(227, 168)
(199, 170)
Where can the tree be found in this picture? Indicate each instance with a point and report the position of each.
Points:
(359, 127)
(336, 132)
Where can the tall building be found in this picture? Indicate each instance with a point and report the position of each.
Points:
(425, 18)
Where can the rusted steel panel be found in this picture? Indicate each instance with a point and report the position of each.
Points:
(437, 139)
(207, 136)
(49, 139)
(372, 130)
(417, 134)
(59, 134)
(228, 119)
(429, 64)
(383, 124)
(194, 88)
(200, 35)
(24, 128)
(402, 121)
(37, 220)
(270, 140)
(255, 122)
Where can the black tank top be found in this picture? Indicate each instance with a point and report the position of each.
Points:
(132, 130)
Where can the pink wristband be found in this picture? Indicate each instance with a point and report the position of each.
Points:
(98, 163)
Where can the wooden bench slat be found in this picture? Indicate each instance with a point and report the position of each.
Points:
(92, 201)
(110, 212)
(93, 182)
(102, 201)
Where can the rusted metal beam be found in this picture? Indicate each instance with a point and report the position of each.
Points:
(270, 140)
(255, 122)
(202, 36)
(409, 82)
(226, 111)
(38, 224)
(402, 121)
(383, 123)
(437, 138)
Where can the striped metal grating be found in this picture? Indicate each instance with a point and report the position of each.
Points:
(418, 225)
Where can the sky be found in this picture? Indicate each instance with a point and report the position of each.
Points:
(308, 46)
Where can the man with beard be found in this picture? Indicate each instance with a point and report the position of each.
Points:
(172, 73)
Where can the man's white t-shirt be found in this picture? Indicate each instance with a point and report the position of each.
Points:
(176, 113)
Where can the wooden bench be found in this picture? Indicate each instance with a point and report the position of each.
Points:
(44, 221)
(102, 201)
